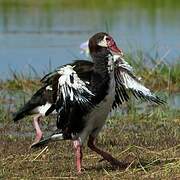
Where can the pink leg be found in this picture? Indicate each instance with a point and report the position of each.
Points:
(79, 155)
(37, 128)
(105, 155)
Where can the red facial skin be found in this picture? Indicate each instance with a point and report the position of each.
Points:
(112, 46)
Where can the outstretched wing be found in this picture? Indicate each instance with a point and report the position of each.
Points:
(82, 67)
(70, 83)
(127, 82)
(71, 87)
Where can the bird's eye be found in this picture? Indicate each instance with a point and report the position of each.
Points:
(108, 39)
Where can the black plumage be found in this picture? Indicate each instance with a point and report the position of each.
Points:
(41, 97)
(43, 102)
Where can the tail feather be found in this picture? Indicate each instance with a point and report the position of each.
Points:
(36, 100)
(45, 141)
(54, 137)
(24, 111)
(41, 143)
(17, 116)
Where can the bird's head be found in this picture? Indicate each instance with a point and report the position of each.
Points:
(103, 42)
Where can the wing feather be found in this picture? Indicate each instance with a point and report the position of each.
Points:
(127, 82)
(71, 87)
(70, 84)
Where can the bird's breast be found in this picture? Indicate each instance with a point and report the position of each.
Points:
(100, 112)
(96, 118)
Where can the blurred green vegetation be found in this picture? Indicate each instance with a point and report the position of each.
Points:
(94, 3)
(160, 76)
(109, 5)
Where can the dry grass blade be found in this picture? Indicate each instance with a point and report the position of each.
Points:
(40, 153)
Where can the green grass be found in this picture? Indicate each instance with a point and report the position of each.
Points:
(160, 76)
(148, 142)
(92, 4)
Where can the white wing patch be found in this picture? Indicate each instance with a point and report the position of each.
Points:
(125, 78)
(42, 109)
(130, 83)
(49, 88)
(71, 87)
(120, 62)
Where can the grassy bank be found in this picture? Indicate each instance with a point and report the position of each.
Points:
(155, 72)
(148, 142)
(157, 75)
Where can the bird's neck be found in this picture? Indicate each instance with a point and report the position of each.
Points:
(101, 63)
(101, 67)
(101, 76)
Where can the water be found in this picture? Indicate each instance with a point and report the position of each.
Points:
(38, 32)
